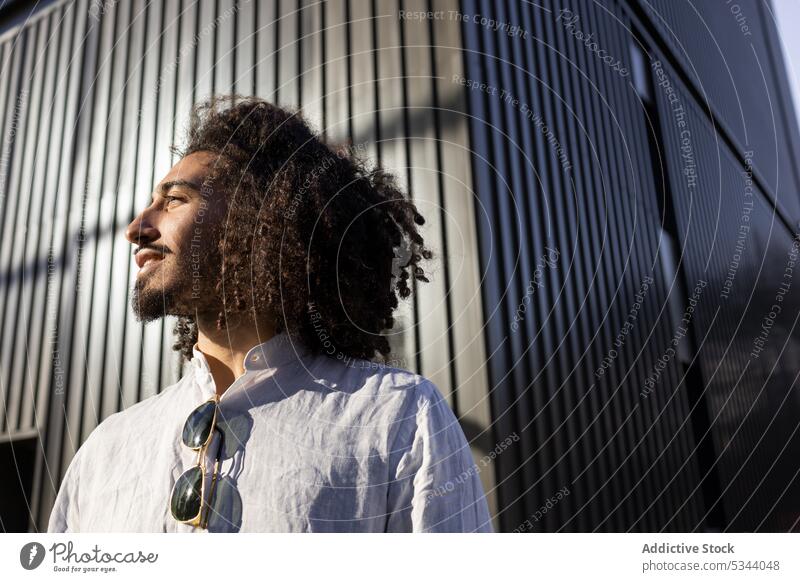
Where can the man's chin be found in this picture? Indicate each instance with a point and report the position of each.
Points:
(150, 304)
(148, 307)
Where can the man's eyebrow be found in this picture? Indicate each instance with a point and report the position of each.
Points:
(165, 187)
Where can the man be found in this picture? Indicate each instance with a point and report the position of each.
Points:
(282, 260)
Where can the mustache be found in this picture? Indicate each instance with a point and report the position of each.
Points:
(158, 248)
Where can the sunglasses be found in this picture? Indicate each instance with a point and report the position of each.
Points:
(187, 501)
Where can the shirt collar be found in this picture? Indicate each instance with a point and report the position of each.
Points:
(276, 352)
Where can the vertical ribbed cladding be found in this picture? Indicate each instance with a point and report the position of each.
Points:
(14, 137)
(25, 112)
(620, 274)
(245, 33)
(311, 59)
(133, 70)
(62, 275)
(9, 75)
(149, 60)
(24, 261)
(95, 241)
(424, 188)
(165, 97)
(535, 450)
(626, 465)
(128, 348)
(747, 397)
(494, 228)
(651, 340)
(391, 129)
(225, 46)
(77, 272)
(7, 95)
(459, 210)
(44, 308)
(529, 212)
(336, 112)
(725, 66)
(564, 280)
(596, 265)
(288, 46)
(41, 223)
(604, 249)
(661, 440)
(578, 244)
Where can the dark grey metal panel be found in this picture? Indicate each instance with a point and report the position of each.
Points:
(723, 48)
(665, 471)
(734, 239)
(621, 457)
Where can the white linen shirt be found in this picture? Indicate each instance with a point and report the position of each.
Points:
(311, 444)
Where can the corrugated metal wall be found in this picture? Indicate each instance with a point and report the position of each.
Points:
(582, 426)
(645, 425)
(738, 226)
(104, 88)
(572, 239)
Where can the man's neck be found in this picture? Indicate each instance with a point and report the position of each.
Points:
(225, 349)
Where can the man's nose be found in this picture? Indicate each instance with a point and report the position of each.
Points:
(141, 230)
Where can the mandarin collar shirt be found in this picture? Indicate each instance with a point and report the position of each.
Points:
(310, 443)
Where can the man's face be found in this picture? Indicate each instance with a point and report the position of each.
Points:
(176, 242)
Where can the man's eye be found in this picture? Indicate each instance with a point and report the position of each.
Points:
(170, 199)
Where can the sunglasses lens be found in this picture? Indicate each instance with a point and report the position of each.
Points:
(186, 495)
(197, 428)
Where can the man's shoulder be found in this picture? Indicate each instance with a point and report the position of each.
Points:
(378, 379)
(387, 388)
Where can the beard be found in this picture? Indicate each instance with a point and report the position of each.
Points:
(179, 285)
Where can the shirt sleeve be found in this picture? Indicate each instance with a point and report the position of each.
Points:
(435, 484)
(64, 516)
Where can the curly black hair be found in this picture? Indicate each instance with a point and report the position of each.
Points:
(313, 240)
